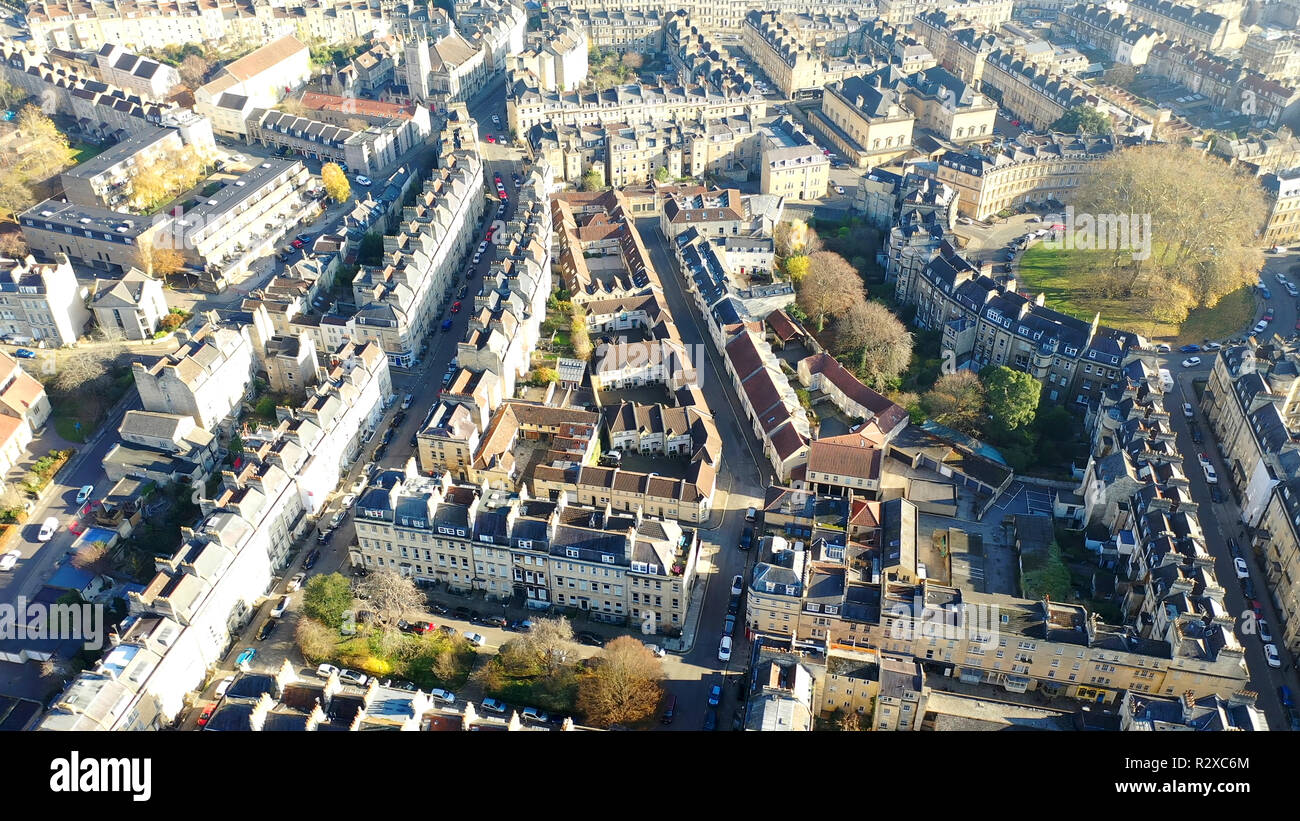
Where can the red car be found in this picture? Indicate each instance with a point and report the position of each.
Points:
(491, 139)
(297, 243)
(1016, 123)
(488, 237)
(1259, 611)
(423, 627)
(504, 196)
(455, 307)
(207, 714)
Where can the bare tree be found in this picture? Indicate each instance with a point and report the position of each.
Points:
(623, 687)
(315, 640)
(551, 640)
(357, 124)
(957, 400)
(831, 286)
(884, 346)
(193, 70)
(390, 595)
(92, 558)
(12, 245)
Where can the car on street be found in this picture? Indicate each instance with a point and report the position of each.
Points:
(223, 686)
(1256, 608)
(268, 627)
(494, 621)
(363, 181)
(338, 517)
(1248, 587)
(724, 649)
(839, 189)
(84, 493)
(715, 695)
(463, 612)
(535, 715)
(447, 629)
(245, 657)
(443, 696)
(1239, 564)
(23, 353)
(658, 651)
(206, 715)
(1187, 410)
(348, 500)
(323, 535)
(463, 292)
(1265, 635)
(1196, 434)
(1272, 656)
(1190, 349)
(476, 639)
(1268, 314)
(1284, 696)
(1265, 292)
(296, 244)
(1211, 477)
(589, 638)
(746, 539)
(522, 626)
(311, 560)
(280, 607)
(446, 325)
(48, 528)
(737, 584)
(733, 606)
(295, 582)
(10, 560)
(491, 139)
(711, 720)
(1191, 361)
(1260, 327)
(1163, 348)
(492, 705)
(352, 676)
(326, 670)
(1216, 495)
(455, 307)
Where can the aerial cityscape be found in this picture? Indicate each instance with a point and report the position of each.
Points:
(651, 366)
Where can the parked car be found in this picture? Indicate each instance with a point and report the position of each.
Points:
(1265, 635)
(268, 627)
(1190, 349)
(339, 516)
(443, 696)
(1239, 564)
(223, 686)
(244, 658)
(311, 560)
(353, 677)
(323, 535)
(1191, 361)
(476, 639)
(589, 638)
(711, 720)
(206, 715)
(733, 606)
(462, 612)
(1187, 410)
(84, 493)
(522, 626)
(494, 621)
(1272, 656)
(746, 539)
(1216, 495)
(724, 649)
(737, 585)
(23, 353)
(1196, 434)
(295, 582)
(10, 560)
(1265, 292)
(729, 626)
(658, 651)
(535, 715)
(280, 607)
(1284, 695)
(1260, 327)
(491, 705)
(715, 695)
(363, 181)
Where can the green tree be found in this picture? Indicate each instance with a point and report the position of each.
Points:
(326, 598)
(335, 182)
(1012, 395)
(957, 401)
(593, 180)
(371, 251)
(1083, 117)
(662, 175)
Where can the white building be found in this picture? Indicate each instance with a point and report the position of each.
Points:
(42, 301)
(207, 377)
(258, 80)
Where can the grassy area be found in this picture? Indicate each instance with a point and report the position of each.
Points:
(85, 151)
(66, 426)
(1046, 270)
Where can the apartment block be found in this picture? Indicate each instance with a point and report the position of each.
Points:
(791, 165)
(259, 80)
(558, 58)
(1035, 169)
(445, 70)
(1033, 95)
(956, 44)
(121, 68)
(1189, 24)
(1227, 82)
(1274, 53)
(865, 119)
(42, 301)
(620, 30)
(106, 179)
(21, 396)
(780, 53)
(1124, 40)
(1282, 191)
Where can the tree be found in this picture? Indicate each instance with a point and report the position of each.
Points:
(551, 640)
(1120, 75)
(957, 400)
(390, 596)
(1012, 395)
(883, 345)
(593, 180)
(356, 124)
(1084, 117)
(796, 267)
(830, 287)
(194, 70)
(157, 259)
(326, 598)
(294, 107)
(633, 60)
(579, 336)
(12, 245)
(10, 93)
(335, 182)
(315, 640)
(795, 237)
(623, 686)
(92, 558)
(1191, 225)
(15, 194)
(371, 251)
(42, 152)
(662, 174)
(545, 376)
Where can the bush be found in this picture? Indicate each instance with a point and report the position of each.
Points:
(171, 322)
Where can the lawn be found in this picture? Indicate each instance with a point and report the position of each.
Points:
(1044, 270)
(85, 151)
(66, 426)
